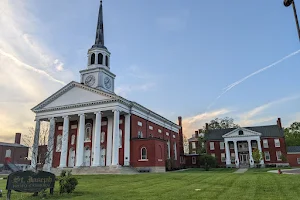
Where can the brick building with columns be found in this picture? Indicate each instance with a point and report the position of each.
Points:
(91, 126)
(233, 147)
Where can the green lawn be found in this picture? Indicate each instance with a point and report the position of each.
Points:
(217, 184)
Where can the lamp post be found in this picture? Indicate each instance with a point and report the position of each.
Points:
(287, 3)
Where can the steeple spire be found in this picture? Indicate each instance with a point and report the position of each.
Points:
(99, 41)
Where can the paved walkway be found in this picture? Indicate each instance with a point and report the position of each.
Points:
(287, 171)
(241, 170)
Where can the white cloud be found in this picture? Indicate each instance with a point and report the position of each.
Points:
(190, 124)
(28, 68)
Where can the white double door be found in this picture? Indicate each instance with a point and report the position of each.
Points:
(244, 158)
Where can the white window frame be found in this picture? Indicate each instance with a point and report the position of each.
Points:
(150, 127)
(298, 160)
(159, 130)
(102, 137)
(175, 151)
(194, 160)
(145, 156)
(88, 136)
(223, 157)
(120, 138)
(140, 134)
(211, 145)
(267, 153)
(58, 143)
(277, 142)
(265, 143)
(213, 154)
(8, 153)
(73, 139)
(278, 157)
(193, 145)
(222, 145)
(140, 124)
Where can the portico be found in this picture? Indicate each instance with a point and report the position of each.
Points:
(243, 141)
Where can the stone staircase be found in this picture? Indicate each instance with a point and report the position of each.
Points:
(97, 170)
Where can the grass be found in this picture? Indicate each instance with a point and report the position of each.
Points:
(217, 184)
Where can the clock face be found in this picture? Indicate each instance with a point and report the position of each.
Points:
(107, 82)
(90, 80)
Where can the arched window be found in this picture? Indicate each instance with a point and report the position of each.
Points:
(100, 58)
(241, 132)
(8, 153)
(93, 59)
(168, 148)
(73, 140)
(120, 138)
(88, 132)
(143, 153)
(106, 61)
(102, 137)
(175, 151)
(58, 143)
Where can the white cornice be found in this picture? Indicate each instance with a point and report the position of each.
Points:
(230, 134)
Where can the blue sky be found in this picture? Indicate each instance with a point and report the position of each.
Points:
(174, 57)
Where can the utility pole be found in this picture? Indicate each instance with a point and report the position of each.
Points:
(287, 3)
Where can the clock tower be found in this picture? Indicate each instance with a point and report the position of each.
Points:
(97, 74)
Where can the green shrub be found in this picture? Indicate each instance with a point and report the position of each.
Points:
(67, 183)
(207, 161)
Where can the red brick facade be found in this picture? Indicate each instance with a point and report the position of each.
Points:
(294, 159)
(144, 134)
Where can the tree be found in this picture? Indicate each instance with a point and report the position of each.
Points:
(292, 134)
(257, 156)
(28, 140)
(201, 145)
(207, 161)
(222, 123)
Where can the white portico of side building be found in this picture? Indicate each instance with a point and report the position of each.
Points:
(244, 141)
(89, 124)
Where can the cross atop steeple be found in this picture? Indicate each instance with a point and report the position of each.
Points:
(99, 41)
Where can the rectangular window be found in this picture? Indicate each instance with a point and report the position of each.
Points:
(278, 155)
(194, 160)
(167, 134)
(60, 128)
(298, 160)
(159, 130)
(140, 124)
(231, 145)
(267, 156)
(213, 154)
(212, 145)
(266, 144)
(223, 157)
(140, 134)
(193, 145)
(222, 145)
(194, 152)
(277, 142)
(151, 127)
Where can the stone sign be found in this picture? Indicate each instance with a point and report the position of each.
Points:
(29, 181)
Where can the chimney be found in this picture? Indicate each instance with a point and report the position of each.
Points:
(196, 134)
(180, 121)
(206, 126)
(18, 138)
(279, 123)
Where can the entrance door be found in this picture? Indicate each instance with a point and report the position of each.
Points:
(244, 158)
(87, 156)
(102, 157)
(71, 157)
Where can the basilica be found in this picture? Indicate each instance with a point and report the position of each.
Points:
(92, 127)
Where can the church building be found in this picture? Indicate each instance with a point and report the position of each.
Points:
(92, 127)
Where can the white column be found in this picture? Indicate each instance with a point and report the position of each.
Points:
(237, 161)
(227, 151)
(97, 140)
(35, 145)
(115, 150)
(250, 154)
(80, 141)
(127, 141)
(109, 140)
(50, 146)
(65, 141)
(260, 150)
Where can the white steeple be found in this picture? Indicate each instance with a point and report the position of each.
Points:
(97, 74)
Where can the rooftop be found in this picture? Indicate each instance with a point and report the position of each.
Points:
(11, 144)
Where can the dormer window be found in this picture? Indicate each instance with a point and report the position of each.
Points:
(241, 132)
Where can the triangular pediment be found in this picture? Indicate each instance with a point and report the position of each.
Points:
(241, 132)
(73, 94)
